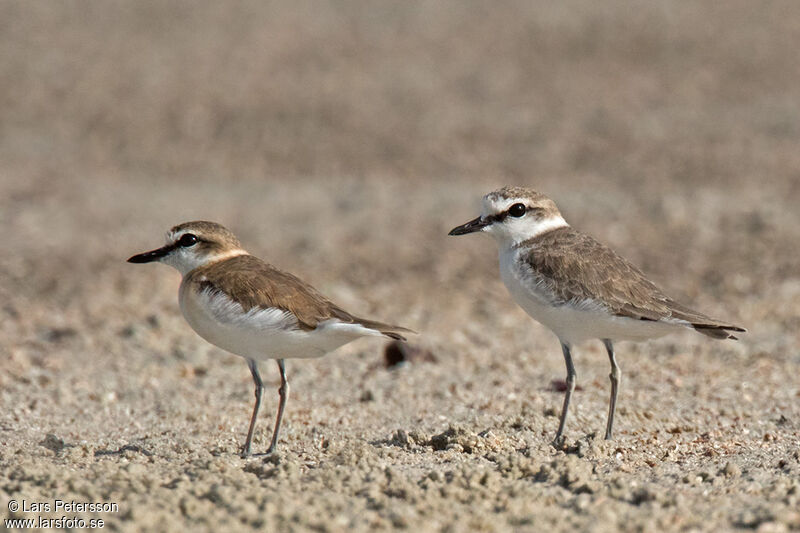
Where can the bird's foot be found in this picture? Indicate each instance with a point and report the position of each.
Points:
(559, 443)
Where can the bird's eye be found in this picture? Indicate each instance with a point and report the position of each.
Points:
(516, 210)
(187, 239)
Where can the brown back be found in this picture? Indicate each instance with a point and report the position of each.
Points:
(254, 283)
(576, 267)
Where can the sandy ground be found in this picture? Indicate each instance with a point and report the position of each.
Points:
(341, 142)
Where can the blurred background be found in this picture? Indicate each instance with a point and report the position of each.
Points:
(341, 141)
(651, 120)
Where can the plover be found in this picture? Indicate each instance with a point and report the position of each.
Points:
(577, 287)
(250, 308)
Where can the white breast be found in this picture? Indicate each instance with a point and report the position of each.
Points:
(259, 334)
(572, 322)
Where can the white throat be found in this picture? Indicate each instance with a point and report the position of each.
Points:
(184, 260)
(512, 232)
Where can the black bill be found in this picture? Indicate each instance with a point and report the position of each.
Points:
(153, 255)
(471, 227)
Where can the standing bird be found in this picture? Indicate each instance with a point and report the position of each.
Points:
(250, 308)
(577, 287)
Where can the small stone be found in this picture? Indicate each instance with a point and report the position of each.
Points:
(401, 438)
(419, 437)
(731, 470)
(53, 443)
(399, 353)
(454, 438)
(367, 396)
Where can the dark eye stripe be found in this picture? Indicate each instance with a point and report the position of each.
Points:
(500, 217)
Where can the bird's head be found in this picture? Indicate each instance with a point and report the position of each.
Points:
(513, 215)
(193, 244)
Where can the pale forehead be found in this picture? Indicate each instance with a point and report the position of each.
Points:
(202, 228)
(502, 199)
(496, 204)
(174, 234)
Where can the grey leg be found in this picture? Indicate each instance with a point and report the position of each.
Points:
(567, 395)
(614, 375)
(284, 394)
(259, 387)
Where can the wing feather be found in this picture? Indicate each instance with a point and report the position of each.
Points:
(577, 268)
(255, 284)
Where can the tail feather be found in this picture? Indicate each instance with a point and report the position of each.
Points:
(393, 332)
(718, 331)
(703, 323)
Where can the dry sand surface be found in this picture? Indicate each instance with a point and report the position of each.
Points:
(342, 141)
